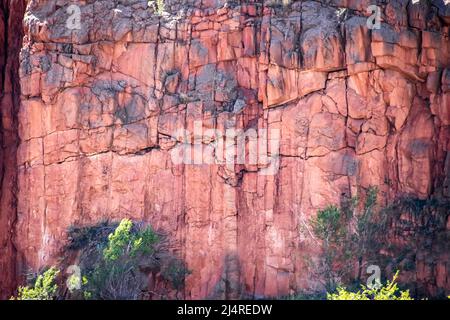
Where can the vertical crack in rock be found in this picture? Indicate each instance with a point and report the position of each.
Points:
(11, 15)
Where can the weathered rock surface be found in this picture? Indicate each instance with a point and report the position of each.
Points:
(101, 108)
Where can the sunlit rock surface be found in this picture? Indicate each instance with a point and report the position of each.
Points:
(100, 107)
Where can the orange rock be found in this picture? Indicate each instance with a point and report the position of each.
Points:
(103, 109)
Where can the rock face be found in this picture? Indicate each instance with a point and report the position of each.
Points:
(108, 104)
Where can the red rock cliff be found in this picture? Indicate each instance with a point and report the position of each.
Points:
(105, 107)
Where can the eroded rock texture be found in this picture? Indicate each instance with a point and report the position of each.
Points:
(101, 106)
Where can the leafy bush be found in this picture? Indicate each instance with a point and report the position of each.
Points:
(117, 274)
(44, 287)
(124, 242)
(348, 236)
(390, 291)
(118, 241)
(327, 226)
(117, 265)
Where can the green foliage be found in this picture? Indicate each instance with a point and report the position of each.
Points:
(73, 282)
(118, 241)
(44, 288)
(357, 235)
(144, 241)
(124, 242)
(113, 280)
(390, 291)
(327, 225)
(371, 198)
(159, 6)
(301, 295)
(87, 295)
(347, 236)
(116, 274)
(117, 265)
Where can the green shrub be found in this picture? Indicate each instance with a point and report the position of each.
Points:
(348, 237)
(124, 242)
(44, 287)
(143, 243)
(116, 275)
(390, 291)
(327, 225)
(117, 265)
(159, 6)
(119, 241)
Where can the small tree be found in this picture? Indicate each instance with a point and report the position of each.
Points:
(117, 274)
(327, 226)
(348, 236)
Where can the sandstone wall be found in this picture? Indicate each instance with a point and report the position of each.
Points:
(101, 106)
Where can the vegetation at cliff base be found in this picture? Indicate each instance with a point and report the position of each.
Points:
(356, 235)
(120, 267)
(116, 273)
(389, 291)
(44, 288)
(115, 261)
(347, 236)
